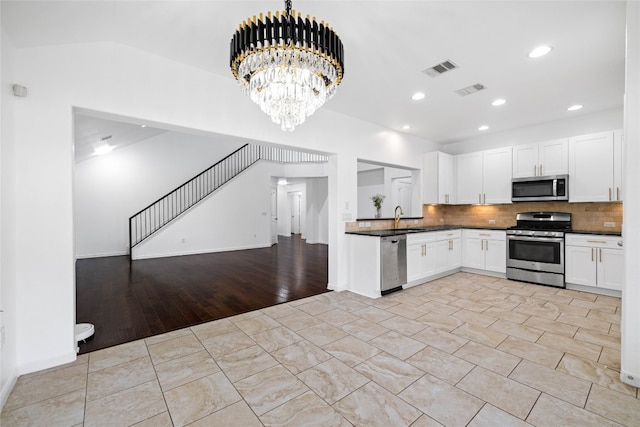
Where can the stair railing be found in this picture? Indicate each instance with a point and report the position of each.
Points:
(170, 206)
(167, 208)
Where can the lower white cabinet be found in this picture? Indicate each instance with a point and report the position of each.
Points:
(448, 250)
(594, 260)
(431, 253)
(485, 250)
(421, 256)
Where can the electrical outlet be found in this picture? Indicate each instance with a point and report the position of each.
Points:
(367, 224)
(415, 221)
(183, 240)
(361, 224)
(610, 224)
(492, 222)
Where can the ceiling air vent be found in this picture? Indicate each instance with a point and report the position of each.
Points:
(440, 68)
(471, 89)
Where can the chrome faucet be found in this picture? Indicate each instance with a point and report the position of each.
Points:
(397, 217)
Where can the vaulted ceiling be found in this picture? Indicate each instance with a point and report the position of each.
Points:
(387, 46)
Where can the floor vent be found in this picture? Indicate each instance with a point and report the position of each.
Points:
(471, 89)
(440, 68)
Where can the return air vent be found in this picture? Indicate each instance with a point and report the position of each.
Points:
(471, 89)
(440, 68)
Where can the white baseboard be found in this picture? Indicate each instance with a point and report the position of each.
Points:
(47, 363)
(319, 242)
(102, 255)
(594, 290)
(6, 389)
(484, 272)
(198, 251)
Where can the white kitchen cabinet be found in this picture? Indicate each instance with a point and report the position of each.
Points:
(469, 178)
(593, 160)
(593, 260)
(484, 177)
(438, 178)
(421, 256)
(448, 250)
(484, 250)
(541, 159)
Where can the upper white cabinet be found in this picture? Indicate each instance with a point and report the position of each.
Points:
(438, 178)
(595, 163)
(484, 177)
(541, 159)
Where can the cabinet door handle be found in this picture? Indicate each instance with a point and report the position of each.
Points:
(540, 169)
(486, 245)
(601, 256)
(535, 170)
(591, 254)
(603, 242)
(484, 198)
(618, 193)
(479, 198)
(609, 193)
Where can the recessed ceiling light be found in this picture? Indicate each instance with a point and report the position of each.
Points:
(102, 149)
(498, 102)
(143, 126)
(418, 96)
(540, 51)
(574, 107)
(483, 127)
(406, 127)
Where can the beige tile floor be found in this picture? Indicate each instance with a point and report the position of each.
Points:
(463, 350)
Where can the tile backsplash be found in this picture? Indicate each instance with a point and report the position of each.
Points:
(585, 216)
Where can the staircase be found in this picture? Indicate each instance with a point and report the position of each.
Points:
(164, 210)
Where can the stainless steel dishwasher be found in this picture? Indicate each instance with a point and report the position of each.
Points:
(393, 262)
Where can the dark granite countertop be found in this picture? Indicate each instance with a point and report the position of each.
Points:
(598, 233)
(411, 230)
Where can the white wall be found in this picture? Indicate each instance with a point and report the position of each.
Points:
(630, 345)
(38, 227)
(109, 189)
(317, 229)
(237, 216)
(579, 125)
(8, 350)
(379, 180)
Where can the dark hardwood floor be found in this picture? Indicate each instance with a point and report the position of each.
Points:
(128, 300)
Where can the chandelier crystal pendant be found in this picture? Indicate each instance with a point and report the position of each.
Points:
(289, 65)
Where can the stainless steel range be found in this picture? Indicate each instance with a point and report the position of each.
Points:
(535, 248)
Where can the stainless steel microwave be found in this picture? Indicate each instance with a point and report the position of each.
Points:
(540, 188)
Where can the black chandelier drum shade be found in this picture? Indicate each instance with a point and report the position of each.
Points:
(284, 30)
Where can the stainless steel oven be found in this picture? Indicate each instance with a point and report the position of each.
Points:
(535, 248)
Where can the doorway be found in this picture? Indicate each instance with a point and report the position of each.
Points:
(295, 202)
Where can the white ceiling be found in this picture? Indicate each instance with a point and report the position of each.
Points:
(387, 45)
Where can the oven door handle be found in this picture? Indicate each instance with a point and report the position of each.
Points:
(537, 239)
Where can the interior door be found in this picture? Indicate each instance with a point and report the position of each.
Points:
(295, 203)
(402, 187)
(274, 216)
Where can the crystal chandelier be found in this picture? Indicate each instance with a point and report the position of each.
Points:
(288, 65)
